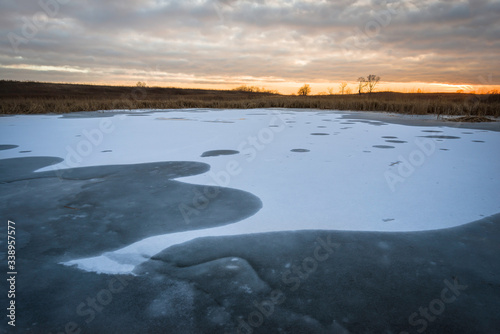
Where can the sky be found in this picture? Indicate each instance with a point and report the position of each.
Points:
(446, 45)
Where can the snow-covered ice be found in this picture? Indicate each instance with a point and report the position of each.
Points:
(312, 170)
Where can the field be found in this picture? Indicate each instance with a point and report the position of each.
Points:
(38, 98)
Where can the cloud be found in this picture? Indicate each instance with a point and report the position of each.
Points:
(291, 40)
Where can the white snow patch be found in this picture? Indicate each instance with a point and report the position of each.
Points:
(102, 264)
(246, 288)
(340, 184)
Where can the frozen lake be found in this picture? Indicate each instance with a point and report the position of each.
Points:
(312, 170)
(251, 221)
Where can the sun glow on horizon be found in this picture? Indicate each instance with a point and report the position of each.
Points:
(158, 78)
(291, 88)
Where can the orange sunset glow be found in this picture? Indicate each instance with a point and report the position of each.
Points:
(414, 46)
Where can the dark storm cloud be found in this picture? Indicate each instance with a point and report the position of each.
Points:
(294, 40)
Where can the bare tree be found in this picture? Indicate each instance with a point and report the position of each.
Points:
(362, 84)
(330, 90)
(304, 90)
(141, 84)
(342, 87)
(372, 82)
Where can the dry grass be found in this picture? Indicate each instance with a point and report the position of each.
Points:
(37, 98)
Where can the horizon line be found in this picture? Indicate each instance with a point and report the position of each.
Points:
(292, 90)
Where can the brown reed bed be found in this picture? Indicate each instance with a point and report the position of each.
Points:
(39, 98)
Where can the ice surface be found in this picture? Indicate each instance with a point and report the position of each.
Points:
(345, 182)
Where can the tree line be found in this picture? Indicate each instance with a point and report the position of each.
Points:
(367, 84)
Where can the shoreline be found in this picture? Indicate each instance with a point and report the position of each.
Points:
(42, 98)
(382, 116)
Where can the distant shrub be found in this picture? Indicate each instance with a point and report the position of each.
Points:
(304, 90)
(255, 89)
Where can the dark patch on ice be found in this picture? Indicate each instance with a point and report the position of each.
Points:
(388, 220)
(383, 146)
(319, 134)
(389, 137)
(326, 120)
(346, 128)
(432, 131)
(364, 268)
(274, 126)
(468, 133)
(203, 285)
(444, 149)
(291, 122)
(217, 153)
(367, 151)
(91, 114)
(478, 141)
(23, 168)
(24, 151)
(7, 147)
(217, 121)
(322, 127)
(300, 150)
(347, 123)
(107, 151)
(440, 137)
(112, 206)
(396, 141)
